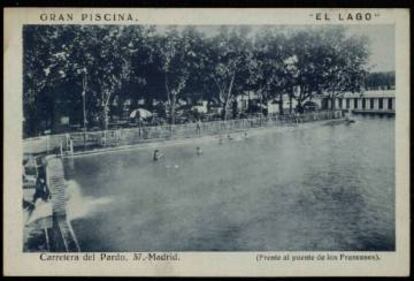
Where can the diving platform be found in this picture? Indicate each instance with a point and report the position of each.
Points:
(62, 228)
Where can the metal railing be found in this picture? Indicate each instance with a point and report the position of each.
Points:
(127, 136)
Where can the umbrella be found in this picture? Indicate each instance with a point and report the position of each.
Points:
(140, 112)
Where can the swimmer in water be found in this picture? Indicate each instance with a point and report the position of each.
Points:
(229, 137)
(199, 151)
(157, 155)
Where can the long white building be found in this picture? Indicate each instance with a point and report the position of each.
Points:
(366, 102)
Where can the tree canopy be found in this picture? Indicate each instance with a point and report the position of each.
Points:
(106, 65)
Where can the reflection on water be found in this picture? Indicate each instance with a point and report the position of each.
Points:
(316, 188)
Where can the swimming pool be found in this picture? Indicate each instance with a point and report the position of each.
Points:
(318, 188)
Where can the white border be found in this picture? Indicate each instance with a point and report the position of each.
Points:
(197, 263)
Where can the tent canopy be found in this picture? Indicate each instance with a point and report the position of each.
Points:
(141, 113)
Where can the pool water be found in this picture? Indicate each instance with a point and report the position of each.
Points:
(311, 188)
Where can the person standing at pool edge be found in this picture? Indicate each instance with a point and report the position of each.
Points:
(198, 127)
(41, 188)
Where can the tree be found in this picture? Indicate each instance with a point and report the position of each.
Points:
(47, 69)
(109, 66)
(344, 60)
(380, 80)
(196, 87)
(305, 65)
(34, 77)
(139, 44)
(176, 57)
(269, 72)
(64, 64)
(228, 53)
(95, 60)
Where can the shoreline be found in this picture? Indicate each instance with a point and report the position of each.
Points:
(198, 139)
(68, 143)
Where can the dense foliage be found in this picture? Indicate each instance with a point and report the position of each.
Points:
(108, 65)
(380, 81)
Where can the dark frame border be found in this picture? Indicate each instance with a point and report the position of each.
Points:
(223, 4)
(212, 3)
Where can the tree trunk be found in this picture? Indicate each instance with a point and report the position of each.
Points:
(299, 106)
(120, 107)
(171, 99)
(105, 121)
(172, 108)
(281, 103)
(106, 117)
(300, 99)
(227, 98)
(235, 109)
(149, 102)
(223, 113)
(224, 110)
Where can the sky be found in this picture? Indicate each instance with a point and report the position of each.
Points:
(382, 45)
(381, 37)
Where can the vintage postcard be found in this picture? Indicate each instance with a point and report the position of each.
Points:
(206, 142)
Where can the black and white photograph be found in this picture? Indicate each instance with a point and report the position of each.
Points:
(208, 138)
(160, 140)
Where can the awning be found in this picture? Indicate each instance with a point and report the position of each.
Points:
(140, 112)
